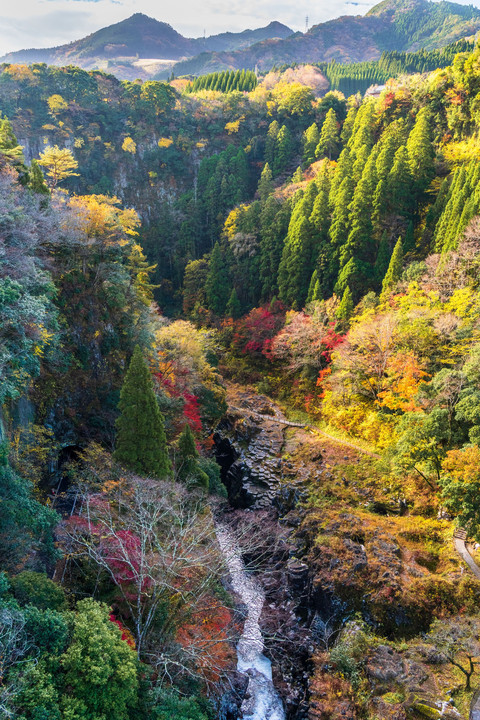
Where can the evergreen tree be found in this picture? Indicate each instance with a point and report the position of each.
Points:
(400, 184)
(271, 142)
(421, 152)
(345, 309)
(188, 453)
(360, 243)
(297, 176)
(233, 309)
(329, 141)
(296, 264)
(11, 152)
(283, 150)
(311, 136)
(141, 441)
(217, 288)
(36, 181)
(274, 221)
(394, 272)
(348, 125)
(265, 184)
(383, 259)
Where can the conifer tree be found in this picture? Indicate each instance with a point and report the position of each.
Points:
(311, 136)
(265, 184)
(400, 184)
(36, 181)
(420, 151)
(360, 243)
(10, 151)
(297, 176)
(283, 150)
(382, 260)
(141, 442)
(188, 453)
(348, 125)
(296, 264)
(217, 288)
(274, 221)
(271, 142)
(394, 272)
(345, 309)
(329, 141)
(233, 309)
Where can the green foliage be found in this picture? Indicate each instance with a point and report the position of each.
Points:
(168, 705)
(141, 441)
(212, 470)
(217, 283)
(101, 677)
(233, 309)
(329, 140)
(226, 81)
(395, 267)
(26, 525)
(37, 589)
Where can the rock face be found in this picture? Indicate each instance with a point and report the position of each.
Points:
(248, 449)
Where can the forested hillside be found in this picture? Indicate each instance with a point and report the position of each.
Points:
(247, 307)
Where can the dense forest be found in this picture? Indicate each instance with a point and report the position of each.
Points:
(163, 243)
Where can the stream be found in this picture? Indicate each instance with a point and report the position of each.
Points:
(262, 701)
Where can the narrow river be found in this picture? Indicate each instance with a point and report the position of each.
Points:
(261, 702)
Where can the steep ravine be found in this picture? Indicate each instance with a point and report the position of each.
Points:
(349, 554)
(261, 490)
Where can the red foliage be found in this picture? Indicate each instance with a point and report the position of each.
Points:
(126, 634)
(331, 340)
(209, 633)
(255, 332)
(191, 412)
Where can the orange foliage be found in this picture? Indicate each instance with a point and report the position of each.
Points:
(405, 374)
(209, 632)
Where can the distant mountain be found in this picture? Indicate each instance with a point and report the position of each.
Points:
(141, 37)
(406, 25)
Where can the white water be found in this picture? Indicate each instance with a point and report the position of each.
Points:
(261, 701)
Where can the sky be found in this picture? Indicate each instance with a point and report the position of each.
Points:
(46, 23)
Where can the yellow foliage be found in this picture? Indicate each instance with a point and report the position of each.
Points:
(129, 145)
(165, 142)
(230, 226)
(56, 103)
(457, 153)
(99, 218)
(234, 126)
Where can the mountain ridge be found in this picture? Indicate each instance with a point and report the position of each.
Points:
(142, 37)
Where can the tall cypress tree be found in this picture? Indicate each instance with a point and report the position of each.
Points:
(271, 141)
(345, 309)
(329, 141)
(141, 441)
(394, 272)
(311, 136)
(420, 151)
(265, 184)
(217, 285)
(188, 453)
(233, 309)
(283, 150)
